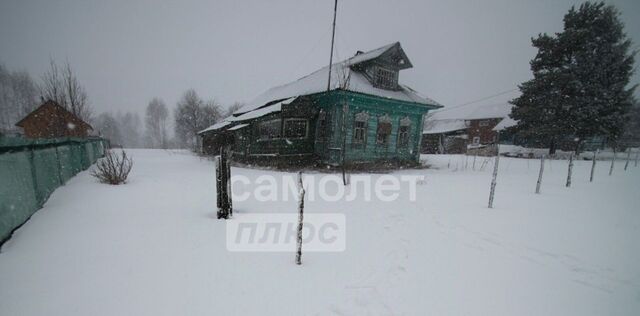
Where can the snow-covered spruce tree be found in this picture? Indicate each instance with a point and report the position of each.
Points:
(631, 135)
(581, 78)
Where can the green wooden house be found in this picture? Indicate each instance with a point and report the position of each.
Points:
(365, 116)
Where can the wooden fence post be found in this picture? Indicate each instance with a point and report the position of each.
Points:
(300, 218)
(626, 164)
(223, 185)
(493, 180)
(345, 110)
(613, 161)
(539, 183)
(569, 171)
(593, 165)
(474, 161)
(228, 173)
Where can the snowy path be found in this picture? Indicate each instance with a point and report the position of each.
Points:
(154, 247)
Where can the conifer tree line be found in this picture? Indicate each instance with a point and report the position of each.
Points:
(581, 82)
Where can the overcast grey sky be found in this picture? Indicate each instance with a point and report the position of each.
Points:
(126, 52)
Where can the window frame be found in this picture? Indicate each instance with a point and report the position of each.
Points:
(403, 142)
(385, 78)
(363, 132)
(261, 124)
(384, 119)
(295, 119)
(322, 126)
(361, 117)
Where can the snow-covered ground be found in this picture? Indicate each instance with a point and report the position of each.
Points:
(154, 247)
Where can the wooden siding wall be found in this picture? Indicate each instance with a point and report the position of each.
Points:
(49, 122)
(376, 108)
(248, 145)
(486, 133)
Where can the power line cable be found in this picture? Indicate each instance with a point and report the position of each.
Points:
(479, 100)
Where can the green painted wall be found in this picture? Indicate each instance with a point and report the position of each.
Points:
(249, 145)
(374, 107)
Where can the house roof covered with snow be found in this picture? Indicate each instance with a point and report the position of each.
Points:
(505, 123)
(472, 112)
(444, 126)
(227, 122)
(342, 77)
(216, 126)
(452, 119)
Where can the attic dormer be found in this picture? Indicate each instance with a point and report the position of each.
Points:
(382, 66)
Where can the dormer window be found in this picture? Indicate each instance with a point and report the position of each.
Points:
(385, 78)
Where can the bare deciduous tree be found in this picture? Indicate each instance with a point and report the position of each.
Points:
(52, 87)
(156, 124)
(18, 97)
(77, 99)
(108, 127)
(129, 125)
(62, 86)
(232, 108)
(193, 115)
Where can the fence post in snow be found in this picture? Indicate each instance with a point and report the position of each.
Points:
(345, 110)
(570, 170)
(593, 166)
(218, 183)
(493, 180)
(228, 180)
(474, 161)
(300, 218)
(626, 164)
(613, 161)
(223, 185)
(540, 175)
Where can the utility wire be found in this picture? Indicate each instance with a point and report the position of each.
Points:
(305, 57)
(479, 100)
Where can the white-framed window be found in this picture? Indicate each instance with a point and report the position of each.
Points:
(295, 128)
(403, 132)
(270, 129)
(384, 130)
(359, 132)
(386, 78)
(476, 140)
(360, 128)
(484, 123)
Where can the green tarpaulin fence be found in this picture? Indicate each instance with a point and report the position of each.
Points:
(30, 170)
